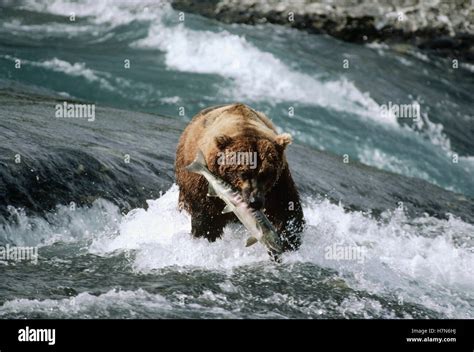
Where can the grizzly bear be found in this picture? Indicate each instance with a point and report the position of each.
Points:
(242, 147)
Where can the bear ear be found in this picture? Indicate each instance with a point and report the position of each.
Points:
(283, 140)
(223, 141)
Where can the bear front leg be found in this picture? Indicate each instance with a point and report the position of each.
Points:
(207, 226)
(284, 210)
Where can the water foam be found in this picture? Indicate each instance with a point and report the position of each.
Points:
(108, 12)
(436, 254)
(54, 29)
(160, 237)
(126, 304)
(113, 83)
(425, 260)
(77, 69)
(256, 75)
(65, 224)
(260, 76)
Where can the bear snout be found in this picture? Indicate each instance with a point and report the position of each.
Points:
(253, 195)
(256, 202)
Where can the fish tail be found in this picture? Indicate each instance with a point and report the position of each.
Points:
(199, 164)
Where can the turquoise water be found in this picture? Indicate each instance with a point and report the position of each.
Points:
(96, 261)
(178, 68)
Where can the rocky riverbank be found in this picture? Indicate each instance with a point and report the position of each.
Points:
(442, 28)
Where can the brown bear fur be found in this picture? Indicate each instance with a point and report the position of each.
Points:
(233, 128)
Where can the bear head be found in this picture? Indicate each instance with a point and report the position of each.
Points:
(251, 164)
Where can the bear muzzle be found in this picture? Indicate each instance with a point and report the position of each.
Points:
(256, 202)
(253, 195)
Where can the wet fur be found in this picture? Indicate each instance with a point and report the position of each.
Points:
(237, 127)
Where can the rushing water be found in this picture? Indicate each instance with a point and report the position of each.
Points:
(97, 262)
